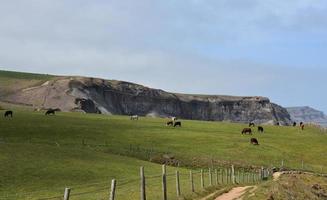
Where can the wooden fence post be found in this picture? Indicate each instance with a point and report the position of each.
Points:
(178, 189)
(233, 175)
(243, 176)
(222, 175)
(248, 177)
(112, 190)
(217, 179)
(226, 171)
(67, 194)
(164, 183)
(238, 177)
(191, 180)
(210, 177)
(202, 179)
(142, 188)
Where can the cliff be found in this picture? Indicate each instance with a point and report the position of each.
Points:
(93, 95)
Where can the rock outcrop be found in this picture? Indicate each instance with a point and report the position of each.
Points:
(308, 115)
(117, 97)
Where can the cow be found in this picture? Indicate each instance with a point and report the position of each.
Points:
(174, 119)
(8, 113)
(301, 123)
(277, 124)
(50, 112)
(251, 124)
(134, 117)
(260, 129)
(294, 124)
(178, 124)
(247, 130)
(170, 123)
(302, 127)
(254, 141)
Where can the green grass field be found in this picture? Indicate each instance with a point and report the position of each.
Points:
(47, 153)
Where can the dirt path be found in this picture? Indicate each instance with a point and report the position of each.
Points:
(276, 175)
(235, 193)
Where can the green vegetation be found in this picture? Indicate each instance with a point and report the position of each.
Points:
(298, 186)
(22, 75)
(12, 81)
(49, 153)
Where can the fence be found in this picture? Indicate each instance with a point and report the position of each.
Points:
(173, 185)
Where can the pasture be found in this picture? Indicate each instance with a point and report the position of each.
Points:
(46, 153)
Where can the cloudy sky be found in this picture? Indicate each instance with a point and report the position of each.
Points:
(273, 48)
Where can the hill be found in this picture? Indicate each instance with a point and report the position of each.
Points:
(94, 95)
(46, 153)
(308, 115)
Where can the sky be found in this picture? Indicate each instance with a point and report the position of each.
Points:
(272, 48)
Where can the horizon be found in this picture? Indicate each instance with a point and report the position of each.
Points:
(274, 49)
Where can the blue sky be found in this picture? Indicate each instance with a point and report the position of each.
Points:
(271, 48)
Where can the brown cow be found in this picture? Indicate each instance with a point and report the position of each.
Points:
(247, 130)
(254, 141)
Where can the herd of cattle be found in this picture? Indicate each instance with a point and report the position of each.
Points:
(175, 122)
(10, 113)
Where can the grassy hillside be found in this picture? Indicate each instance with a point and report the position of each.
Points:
(50, 152)
(297, 186)
(12, 81)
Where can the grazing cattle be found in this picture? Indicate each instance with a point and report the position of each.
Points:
(251, 124)
(170, 123)
(247, 130)
(50, 112)
(294, 124)
(178, 124)
(301, 123)
(8, 113)
(134, 117)
(302, 127)
(254, 141)
(277, 124)
(260, 129)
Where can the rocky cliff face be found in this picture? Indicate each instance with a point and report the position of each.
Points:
(118, 97)
(308, 115)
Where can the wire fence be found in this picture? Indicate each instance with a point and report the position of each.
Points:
(169, 184)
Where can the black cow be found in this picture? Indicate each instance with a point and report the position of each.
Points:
(247, 130)
(50, 112)
(294, 124)
(254, 141)
(178, 124)
(251, 124)
(170, 123)
(8, 113)
(260, 129)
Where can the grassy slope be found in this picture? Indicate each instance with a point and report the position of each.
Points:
(291, 187)
(31, 157)
(11, 81)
